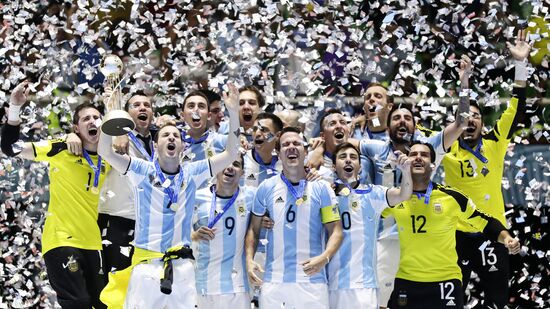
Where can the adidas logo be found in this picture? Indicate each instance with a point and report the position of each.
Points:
(186, 158)
(400, 206)
(251, 177)
(279, 200)
(493, 268)
(79, 161)
(450, 303)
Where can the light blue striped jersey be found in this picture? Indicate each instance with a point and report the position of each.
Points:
(298, 232)
(255, 173)
(354, 265)
(221, 262)
(214, 143)
(158, 227)
(386, 174)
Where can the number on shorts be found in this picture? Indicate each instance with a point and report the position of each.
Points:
(290, 215)
(422, 223)
(346, 220)
(491, 258)
(443, 286)
(230, 224)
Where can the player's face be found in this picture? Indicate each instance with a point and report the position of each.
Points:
(336, 130)
(141, 111)
(401, 126)
(169, 144)
(86, 127)
(347, 164)
(195, 112)
(376, 104)
(249, 108)
(216, 113)
(475, 125)
(421, 164)
(292, 152)
(264, 134)
(231, 175)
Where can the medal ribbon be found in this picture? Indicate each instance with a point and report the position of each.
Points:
(96, 169)
(476, 153)
(297, 194)
(212, 218)
(193, 141)
(258, 159)
(173, 195)
(140, 147)
(427, 194)
(356, 191)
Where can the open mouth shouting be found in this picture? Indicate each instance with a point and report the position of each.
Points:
(292, 155)
(247, 117)
(418, 165)
(171, 147)
(348, 168)
(339, 135)
(92, 131)
(142, 116)
(258, 141)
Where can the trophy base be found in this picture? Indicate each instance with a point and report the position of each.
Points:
(116, 121)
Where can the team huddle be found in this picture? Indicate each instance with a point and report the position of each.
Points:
(202, 212)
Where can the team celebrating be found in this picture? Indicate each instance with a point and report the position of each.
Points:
(202, 212)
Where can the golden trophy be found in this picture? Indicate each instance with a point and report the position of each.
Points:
(117, 121)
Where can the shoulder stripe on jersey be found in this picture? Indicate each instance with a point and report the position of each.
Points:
(57, 147)
(460, 198)
(491, 135)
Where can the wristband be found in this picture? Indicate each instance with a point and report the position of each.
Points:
(520, 71)
(13, 113)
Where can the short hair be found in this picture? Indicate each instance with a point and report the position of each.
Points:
(131, 95)
(328, 113)
(398, 107)
(196, 93)
(166, 124)
(211, 95)
(259, 96)
(389, 97)
(81, 107)
(343, 147)
(277, 122)
(432, 150)
(289, 130)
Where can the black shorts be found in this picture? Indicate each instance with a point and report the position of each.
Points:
(76, 276)
(422, 295)
(492, 265)
(116, 234)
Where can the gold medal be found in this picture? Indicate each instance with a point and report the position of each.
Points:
(174, 207)
(345, 191)
(95, 190)
(299, 201)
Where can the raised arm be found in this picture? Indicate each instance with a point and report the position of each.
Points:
(222, 160)
(453, 131)
(403, 193)
(10, 131)
(120, 162)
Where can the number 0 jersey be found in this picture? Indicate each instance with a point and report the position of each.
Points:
(298, 232)
(354, 264)
(221, 262)
(463, 170)
(427, 233)
(72, 212)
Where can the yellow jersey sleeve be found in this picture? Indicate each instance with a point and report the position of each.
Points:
(46, 150)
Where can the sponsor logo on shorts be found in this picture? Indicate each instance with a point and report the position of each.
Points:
(71, 264)
(493, 268)
(450, 303)
(402, 299)
(465, 262)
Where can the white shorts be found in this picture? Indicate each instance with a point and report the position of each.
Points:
(144, 288)
(387, 266)
(294, 296)
(223, 301)
(353, 298)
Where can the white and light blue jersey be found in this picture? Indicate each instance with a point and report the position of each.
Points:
(354, 264)
(255, 173)
(298, 231)
(213, 144)
(158, 227)
(221, 262)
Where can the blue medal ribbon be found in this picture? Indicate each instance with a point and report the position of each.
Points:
(140, 147)
(476, 153)
(193, 141)
(96, 169)
(297, 194)
(426, 195)
(258, 159)
(172, 194)
(214, 218)
(356, 191)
